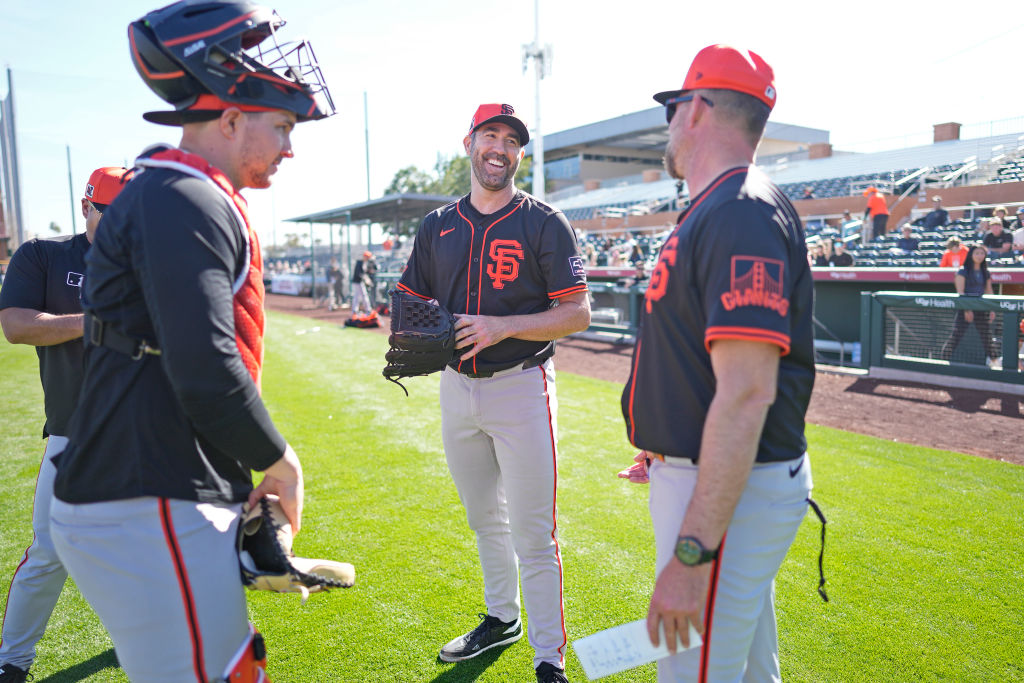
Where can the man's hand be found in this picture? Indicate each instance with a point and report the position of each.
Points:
(479, 332)
(969, 316)
(638, 473)
(284, 478)
(680, 596)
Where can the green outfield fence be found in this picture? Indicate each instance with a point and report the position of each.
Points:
(915, 332)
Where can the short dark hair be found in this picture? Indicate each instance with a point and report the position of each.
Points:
(747, 112)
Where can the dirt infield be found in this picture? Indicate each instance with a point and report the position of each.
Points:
(964, 420)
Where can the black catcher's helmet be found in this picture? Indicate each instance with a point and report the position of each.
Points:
(217, 47)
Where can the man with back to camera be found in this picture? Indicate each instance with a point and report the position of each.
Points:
(877, 211)
(40, 305)
(170, 422)
(509, 267)
(722, 375)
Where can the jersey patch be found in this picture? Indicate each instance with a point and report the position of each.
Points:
(75, 279)
(756, 281)
(576, 267)
(505, 255)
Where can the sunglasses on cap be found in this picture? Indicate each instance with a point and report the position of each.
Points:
(100, 208)
(670, 104)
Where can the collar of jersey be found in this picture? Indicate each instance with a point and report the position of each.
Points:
(470, 211)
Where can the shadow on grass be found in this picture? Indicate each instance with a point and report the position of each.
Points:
(83, 670)
(469, 670)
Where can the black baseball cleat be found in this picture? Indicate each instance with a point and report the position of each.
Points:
(491, 632)
(549, 673)
(12, 674)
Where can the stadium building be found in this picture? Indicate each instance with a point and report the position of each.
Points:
(608, 178)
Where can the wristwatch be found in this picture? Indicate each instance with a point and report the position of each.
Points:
(692, 552)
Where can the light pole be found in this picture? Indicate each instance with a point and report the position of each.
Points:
(541, 57)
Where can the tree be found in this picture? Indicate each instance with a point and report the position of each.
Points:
(411, 180)
(292, 240)
(54, 227)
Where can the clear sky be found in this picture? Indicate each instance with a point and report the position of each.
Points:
(863, 71)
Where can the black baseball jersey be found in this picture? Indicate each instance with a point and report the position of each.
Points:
(515, 261)
(735, 267)
(188, 424)
(46, 275)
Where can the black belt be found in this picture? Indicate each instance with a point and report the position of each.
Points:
(99, 333)
(526, 365)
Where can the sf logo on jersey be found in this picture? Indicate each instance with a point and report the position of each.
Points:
(505, 256)
(659, 278)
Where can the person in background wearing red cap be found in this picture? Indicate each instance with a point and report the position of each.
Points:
(40, 305)
(877, 211)
(508, 266)
(721, 378)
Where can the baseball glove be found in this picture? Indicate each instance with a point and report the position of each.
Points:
(266, 559)
(422, 338)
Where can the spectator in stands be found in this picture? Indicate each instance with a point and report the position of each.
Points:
(840, 257)
(877, 211)
(907, 243)
(590, 254)
(973, 280)
(636, 254)
(639, 278)
(817, 255)
(997, 240)
(1002, 214)
(956, 254)
(1018, 233)
(808, 193)
(937, 217)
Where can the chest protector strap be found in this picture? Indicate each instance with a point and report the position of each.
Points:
(248, 287)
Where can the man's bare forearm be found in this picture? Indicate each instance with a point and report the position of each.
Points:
(36, 328)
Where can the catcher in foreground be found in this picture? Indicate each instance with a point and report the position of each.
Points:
(267, 562)
(422, 338)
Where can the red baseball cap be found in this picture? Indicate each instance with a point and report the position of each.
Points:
(722, 67)
(502, 113)
(106, 183)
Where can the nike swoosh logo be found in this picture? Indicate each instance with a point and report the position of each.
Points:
(445, 232)
(794, 470)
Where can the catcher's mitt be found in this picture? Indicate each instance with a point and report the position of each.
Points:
(422, 338)
(266, 559)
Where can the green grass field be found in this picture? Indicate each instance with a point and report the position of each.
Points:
(923, 558)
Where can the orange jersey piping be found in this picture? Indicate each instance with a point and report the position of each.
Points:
(748, 334)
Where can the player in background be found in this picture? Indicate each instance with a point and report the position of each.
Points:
(40, 305)
(508, 266)
(721, 378)
(170, 424)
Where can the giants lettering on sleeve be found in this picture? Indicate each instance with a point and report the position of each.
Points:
(755, 281)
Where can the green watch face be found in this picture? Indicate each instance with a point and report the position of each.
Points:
(689, 551)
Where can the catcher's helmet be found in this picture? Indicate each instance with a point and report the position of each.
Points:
(198, 47)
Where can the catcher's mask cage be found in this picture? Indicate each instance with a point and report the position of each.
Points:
(228, 48)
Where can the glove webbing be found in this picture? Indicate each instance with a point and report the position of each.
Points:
(278, 562)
